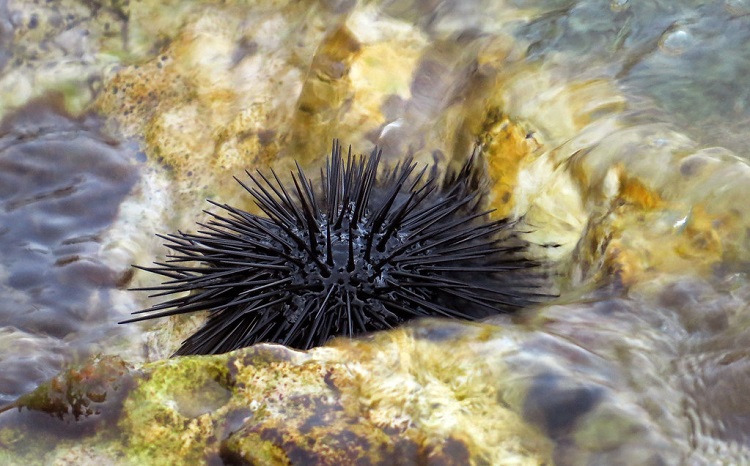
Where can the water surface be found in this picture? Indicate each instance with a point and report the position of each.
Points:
(614, 128)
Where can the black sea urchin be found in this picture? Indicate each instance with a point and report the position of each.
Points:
(356, 254)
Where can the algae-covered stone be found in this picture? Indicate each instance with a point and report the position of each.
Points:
(71, 418)
(643, 358)
(558, 387)
(406, 397)
(57, 46)
(79, 393)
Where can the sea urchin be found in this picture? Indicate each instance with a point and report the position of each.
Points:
(356, 254)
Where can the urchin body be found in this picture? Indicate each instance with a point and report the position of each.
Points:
(358, 253)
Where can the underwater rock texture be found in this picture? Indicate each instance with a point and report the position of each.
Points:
(642, 360)
(413, 401)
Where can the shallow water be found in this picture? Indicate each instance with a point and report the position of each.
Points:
(61, 182)
(613, 108)
(689, 57)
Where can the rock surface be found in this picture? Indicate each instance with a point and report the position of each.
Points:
(642, 360)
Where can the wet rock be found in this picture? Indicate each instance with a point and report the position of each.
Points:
(271, 405)
(641, 361)
(556, 408)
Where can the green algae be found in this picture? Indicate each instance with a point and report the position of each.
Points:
(78, 393)
(272, 405)
(70, 418)
(168, 415)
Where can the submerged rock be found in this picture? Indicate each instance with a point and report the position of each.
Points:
(642, 360)
(399, 398)
(604, 380)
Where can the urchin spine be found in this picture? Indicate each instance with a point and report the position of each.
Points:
(361, 252)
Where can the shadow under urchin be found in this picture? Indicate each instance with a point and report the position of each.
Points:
(358, 252)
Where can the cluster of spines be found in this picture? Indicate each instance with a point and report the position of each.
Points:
(364, 252)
